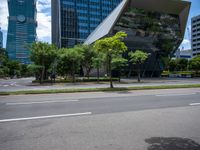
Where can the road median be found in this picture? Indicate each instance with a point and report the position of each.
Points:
(53, 91)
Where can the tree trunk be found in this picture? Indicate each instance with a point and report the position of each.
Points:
(43, 70)
(51, 79)
(88, 73)
(119, 75)
(98, 74)
(110, 71)
(73, 76)
(138, 73)
(73, 72)
(138, 76)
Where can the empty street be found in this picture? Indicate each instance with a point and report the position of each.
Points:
(101, 120)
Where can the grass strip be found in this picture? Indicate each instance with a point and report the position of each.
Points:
(99, 89)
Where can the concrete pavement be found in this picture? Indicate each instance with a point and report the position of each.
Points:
(115, 131)
(135, 120)
(25, 84)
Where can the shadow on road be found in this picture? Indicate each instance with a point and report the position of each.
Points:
(171, 143)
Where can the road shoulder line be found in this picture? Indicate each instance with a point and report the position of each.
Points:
(44, 117)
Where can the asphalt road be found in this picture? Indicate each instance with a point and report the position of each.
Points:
(137, 120)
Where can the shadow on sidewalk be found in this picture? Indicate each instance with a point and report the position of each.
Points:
(171, 143)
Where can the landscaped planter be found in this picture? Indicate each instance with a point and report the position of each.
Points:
(180, 75)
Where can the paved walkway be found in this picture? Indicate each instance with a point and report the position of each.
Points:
(26, 84)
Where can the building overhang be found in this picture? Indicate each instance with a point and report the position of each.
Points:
(175, 7)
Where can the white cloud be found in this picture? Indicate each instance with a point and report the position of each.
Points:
(3, 15)
(44, 27)
(4, 20)
(44, 20)
(43, 4)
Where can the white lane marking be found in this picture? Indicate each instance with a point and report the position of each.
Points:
(14, 83)
(194, 104)
(43, 102)
(171, 94)
(45, 117)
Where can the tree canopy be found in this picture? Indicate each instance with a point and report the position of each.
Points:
(43, 54)
(88, 55)
(69, 59)
(119, 63)
(194, 64)
(138, 57)
(112, 47)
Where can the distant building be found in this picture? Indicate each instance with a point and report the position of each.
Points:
(196, 35)
(1, 39)
(187, 54)
(74, 20)
(154, 26)
(21, 29)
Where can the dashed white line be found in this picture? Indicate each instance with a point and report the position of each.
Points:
(45, 117)
(194, 104)
(43, 102)
(171, 94)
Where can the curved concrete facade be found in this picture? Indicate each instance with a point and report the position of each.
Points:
(154, 26)
(176, 7)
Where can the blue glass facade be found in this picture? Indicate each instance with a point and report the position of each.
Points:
(1, 39)
(78, 18)
(21, 29)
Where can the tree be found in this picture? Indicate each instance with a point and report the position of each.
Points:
(43, 54)
(194, 64)
(166, 62)
(138, 57)
(71, 58)
(4, 70)
(11, 67)
(172, 65)
(112, 47)
(14, 68)
(24, 70)
(3, 55)
(118, 63)
(181, 64)
(34, 70)
(97, 62)
(88, 55)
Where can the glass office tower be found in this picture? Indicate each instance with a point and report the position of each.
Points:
(21, 29)
(74, 20)
(1, 38)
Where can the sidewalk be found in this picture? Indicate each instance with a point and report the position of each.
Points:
(25, 84)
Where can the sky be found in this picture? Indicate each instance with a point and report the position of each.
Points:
(44, 21)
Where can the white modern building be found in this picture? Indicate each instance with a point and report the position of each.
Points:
(195, 35)
(187, 53)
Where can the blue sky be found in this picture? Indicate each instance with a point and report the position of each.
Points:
(44, 20)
